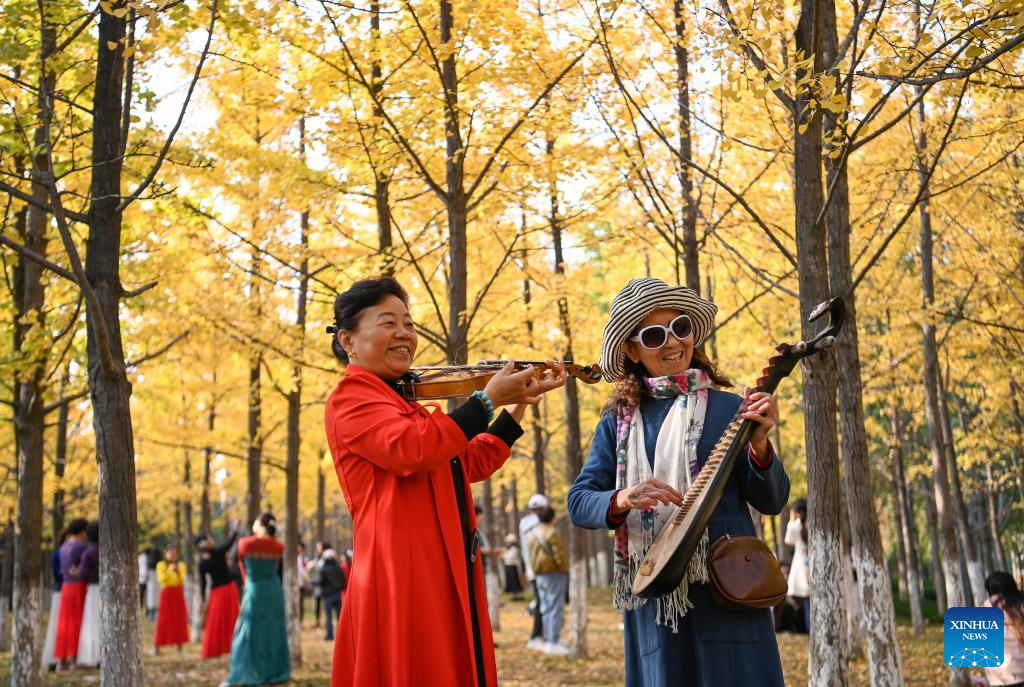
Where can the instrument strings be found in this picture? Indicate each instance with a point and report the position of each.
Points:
(696, 490)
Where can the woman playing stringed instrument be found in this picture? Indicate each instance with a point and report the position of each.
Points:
(659, 428)
(415, 610)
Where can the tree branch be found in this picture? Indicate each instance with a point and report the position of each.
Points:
(37, 258)
(181, 116)
(921, 191)
(22, 196)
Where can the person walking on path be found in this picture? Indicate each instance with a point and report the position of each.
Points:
(259, 648)
(536, 504)
(152, 583)
(799, 568)
(222, 606)
(72, 593)
(89, 570)
(172, 613)
(313, 573)
(49, 662)
(550, 562)
(332, 586)
(512, 559)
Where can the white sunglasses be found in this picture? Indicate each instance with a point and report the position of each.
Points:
(655, 336)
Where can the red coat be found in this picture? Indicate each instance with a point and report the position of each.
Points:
(406, 619)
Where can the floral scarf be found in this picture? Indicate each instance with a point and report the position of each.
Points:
(675, 463)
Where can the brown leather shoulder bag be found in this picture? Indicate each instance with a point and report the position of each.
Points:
(745, 575)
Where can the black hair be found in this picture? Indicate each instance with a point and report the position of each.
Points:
(365, 293)
(93, 531)
(269, 523)
(1003, 587)
(547, 514)
(77, 526)
(200, 540)
(324, 545)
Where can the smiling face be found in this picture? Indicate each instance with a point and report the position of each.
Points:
(671, 359)
(384, 339)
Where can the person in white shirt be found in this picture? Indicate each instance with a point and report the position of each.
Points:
(799, 572)
(536, 504)
(143, 576)
(1004, 594)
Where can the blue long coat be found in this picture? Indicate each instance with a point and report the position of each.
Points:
(712, 647)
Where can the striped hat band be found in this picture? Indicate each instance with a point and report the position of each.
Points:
(634, 302)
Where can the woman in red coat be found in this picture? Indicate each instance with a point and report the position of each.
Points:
(415, 610)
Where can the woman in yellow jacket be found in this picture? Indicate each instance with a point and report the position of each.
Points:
(171, 615)
(550, 565)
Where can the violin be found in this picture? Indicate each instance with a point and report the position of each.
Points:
(456, 381)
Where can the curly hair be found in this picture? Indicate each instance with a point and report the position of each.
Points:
(628, 391)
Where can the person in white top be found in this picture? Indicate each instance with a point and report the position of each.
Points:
(1004, 594)
(534, 506)
(799, 573)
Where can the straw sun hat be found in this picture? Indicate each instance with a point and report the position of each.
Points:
(631, 305)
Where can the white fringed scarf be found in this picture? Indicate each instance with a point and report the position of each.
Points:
(676, 464)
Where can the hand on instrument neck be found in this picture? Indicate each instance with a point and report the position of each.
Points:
(508, 387)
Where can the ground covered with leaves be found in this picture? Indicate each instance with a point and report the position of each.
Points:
(518, 666)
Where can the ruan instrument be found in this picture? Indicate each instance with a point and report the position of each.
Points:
(455, 381)
(663, 567)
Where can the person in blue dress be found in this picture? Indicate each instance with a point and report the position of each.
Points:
(657, 431)
(259, 647)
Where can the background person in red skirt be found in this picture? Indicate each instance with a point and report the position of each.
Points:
(72, 596)
(171, 615)
(222, 606)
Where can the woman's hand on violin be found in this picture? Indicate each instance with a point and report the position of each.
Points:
(647, 494)
(509, 387)
(763, 411)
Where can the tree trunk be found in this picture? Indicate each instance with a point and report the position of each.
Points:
(906, 519)
(1018, 449)
(195, 603)
(573, 442)
(689, 209)
(992, 517)
(901, 549)
(956, 592)
(828, 651)
(455, 201)
(975, 591)
(30, 418)
(110, 391)
(320, 506)
(59, 466)
(381, 179)
(938, 576)
(866, 552)
(292, 593)
(205, 518)
(255, 447)
(535, 424)
(6, 584)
